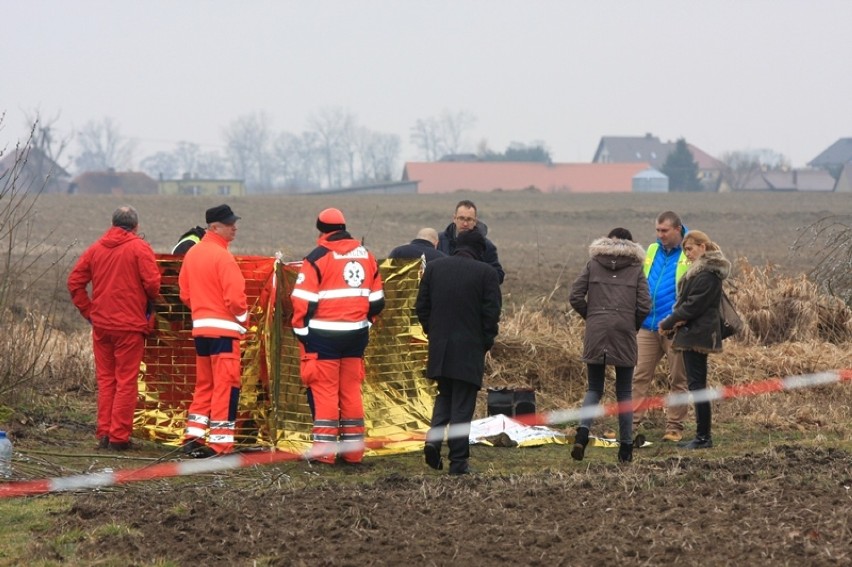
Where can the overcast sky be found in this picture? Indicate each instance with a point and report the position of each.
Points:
(726, 75)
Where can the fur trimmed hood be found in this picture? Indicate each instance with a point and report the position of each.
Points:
(614, 253)
(714, 262)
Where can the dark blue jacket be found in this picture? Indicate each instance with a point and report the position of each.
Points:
(418, 247)
(447, 245)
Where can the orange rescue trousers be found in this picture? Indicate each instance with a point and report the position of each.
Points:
(217, 393)
(336, 388)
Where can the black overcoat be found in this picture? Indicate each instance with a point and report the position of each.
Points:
(447, 245)
(458, 305)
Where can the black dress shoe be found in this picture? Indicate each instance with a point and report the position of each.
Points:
(190, 445)
(433, 456)
(698, 443)
(202, 452)
(460, 469)
(120, 446)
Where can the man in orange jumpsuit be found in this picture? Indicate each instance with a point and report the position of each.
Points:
(337, 295)
(125, 280)
(213, 287)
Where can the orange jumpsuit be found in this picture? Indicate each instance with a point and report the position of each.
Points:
(337, 294)
(213, 287)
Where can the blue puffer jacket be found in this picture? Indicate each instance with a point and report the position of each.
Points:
(662, 278)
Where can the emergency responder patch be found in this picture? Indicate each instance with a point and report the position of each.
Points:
(300, 278)
(353, 273)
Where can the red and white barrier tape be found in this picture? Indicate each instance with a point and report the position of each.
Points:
(241, 460)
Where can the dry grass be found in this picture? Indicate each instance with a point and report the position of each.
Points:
(792, 329)
(543, 240)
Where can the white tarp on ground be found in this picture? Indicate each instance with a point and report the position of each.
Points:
(502, 431)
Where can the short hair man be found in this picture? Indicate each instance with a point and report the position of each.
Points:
(425, 244)
(125, 281)
(337, 295)
(458, 305)
(665, 264)
(214, 288)
(465, 219)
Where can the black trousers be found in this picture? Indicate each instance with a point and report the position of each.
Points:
(454, 406)
(696, 378)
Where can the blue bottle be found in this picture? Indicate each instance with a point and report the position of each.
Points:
(5, 456)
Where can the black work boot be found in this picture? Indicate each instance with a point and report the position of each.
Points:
(625, 453)
(581, 439)
(700, 442)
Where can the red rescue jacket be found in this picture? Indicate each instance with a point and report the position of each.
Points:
(213, 287)
(123, 271)
(338, 289)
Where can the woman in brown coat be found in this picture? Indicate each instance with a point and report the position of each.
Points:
(612, 296)
(696, 321)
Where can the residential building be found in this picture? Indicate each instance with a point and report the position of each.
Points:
(113, 182)
(207, 187)
(834, 158)
(452, 176)
(649, 149)
(33, 171)
(814, 180)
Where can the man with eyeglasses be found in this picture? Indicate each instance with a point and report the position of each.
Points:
(464, 220)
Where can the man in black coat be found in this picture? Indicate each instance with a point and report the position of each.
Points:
(465, 219)
(458, 305)
(424, 245)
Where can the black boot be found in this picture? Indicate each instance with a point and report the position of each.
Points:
(700, 442)
(625, 453)
(581, 439)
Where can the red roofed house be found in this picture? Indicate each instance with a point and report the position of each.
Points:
(448, 176)
(113, 183)
(649, 148)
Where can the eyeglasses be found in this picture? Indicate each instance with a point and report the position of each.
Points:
(466, 220)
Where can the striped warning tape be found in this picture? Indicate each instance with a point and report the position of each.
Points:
(241, 460)
(103, 479)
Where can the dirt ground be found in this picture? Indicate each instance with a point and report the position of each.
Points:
(784, 506)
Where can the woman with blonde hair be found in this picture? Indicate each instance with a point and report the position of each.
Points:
(696, 321)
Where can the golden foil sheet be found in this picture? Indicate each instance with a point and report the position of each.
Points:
(273, 409)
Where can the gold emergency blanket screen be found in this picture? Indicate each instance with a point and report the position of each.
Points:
(273, 407)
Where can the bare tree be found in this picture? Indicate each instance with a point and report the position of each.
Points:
(425, 134)
(453, 127)
(27, 322)
(187, 155)
(102, 147)
(47, 162)
(378, 155)
(442, 135)
(335, 129)
(211, 165)
(248, 141)
(186, 159)
(829, 242)
(298, 161)
(741, 169)
(161, 164)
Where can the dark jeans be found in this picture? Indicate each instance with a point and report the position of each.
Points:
(696, 377)
(454, 406)
(623, 393)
